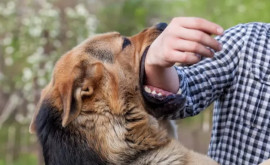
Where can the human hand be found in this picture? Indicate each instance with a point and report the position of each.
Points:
(183, 41)
(266, 162)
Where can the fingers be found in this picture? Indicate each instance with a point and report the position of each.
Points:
(198, 24)
(182, 39)
(189, 58)
(200, 37)
(190, 46)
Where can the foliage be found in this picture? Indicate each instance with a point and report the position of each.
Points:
(33, 36)
(131, 16)
(225, 12)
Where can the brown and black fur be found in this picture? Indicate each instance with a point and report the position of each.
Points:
(93, 111)
(63, 146)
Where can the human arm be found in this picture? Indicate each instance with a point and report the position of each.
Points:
(179, 42)
(208, 80)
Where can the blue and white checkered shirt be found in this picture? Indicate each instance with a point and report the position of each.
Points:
(237, 79)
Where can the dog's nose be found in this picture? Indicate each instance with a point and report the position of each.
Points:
(161, 26)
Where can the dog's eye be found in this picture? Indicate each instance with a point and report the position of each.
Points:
(126, 42)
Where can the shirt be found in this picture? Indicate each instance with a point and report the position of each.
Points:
(237, 80)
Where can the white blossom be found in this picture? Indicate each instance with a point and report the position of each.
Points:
(8, 61)
(20, 118)
(81, 10)
(28, 87)
(9, 50)
(35, 31)
(70, 12)
(34, 66)
(42, 82)
(7, 40)
(8, 9)
(31, 107)
(27, 74)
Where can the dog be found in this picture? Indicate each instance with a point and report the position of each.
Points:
(96, 111)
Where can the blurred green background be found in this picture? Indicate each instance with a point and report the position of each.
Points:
(34, 33)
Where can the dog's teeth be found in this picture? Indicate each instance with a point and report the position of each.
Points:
(179, 92)
(154, 92)
(148, 90)
(159, 94)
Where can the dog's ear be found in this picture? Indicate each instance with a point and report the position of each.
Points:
(72, 92)
(72, 102)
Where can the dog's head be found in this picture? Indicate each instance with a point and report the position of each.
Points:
(98, 83)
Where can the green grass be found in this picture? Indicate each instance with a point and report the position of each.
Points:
(22, 139)
(26, 159)
(23, 159)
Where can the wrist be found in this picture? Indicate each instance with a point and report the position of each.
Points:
(165, 78)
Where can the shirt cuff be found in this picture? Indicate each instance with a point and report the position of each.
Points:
(182, 81)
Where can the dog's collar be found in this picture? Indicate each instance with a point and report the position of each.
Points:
(163, 106)
(142, 67)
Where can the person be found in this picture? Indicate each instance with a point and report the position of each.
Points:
(232, 70)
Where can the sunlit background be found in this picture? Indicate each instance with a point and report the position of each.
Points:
(34, 33)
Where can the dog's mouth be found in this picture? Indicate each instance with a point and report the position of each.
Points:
(156, 92)
(159, 103)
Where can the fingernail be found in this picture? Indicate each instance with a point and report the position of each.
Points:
(212, 54)
(220, 46)
(220, 30)
(198, 56)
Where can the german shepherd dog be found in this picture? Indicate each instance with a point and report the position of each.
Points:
(95, 110)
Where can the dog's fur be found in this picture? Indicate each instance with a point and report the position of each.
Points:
(93, 112)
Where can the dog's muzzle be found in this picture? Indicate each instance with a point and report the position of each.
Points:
(160, 107)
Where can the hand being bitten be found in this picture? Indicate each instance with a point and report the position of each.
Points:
(180, 42)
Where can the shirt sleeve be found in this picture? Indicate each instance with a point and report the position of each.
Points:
(206, 81)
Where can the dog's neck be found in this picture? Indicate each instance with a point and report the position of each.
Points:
(134, 139)
(113, 139)
(124, 138)
(171, 153)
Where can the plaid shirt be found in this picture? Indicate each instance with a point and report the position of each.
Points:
(237, 79)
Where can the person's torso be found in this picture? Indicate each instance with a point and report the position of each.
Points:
(241, 122)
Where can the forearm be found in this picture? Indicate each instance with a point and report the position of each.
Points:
(163, 78)
(180, 42)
